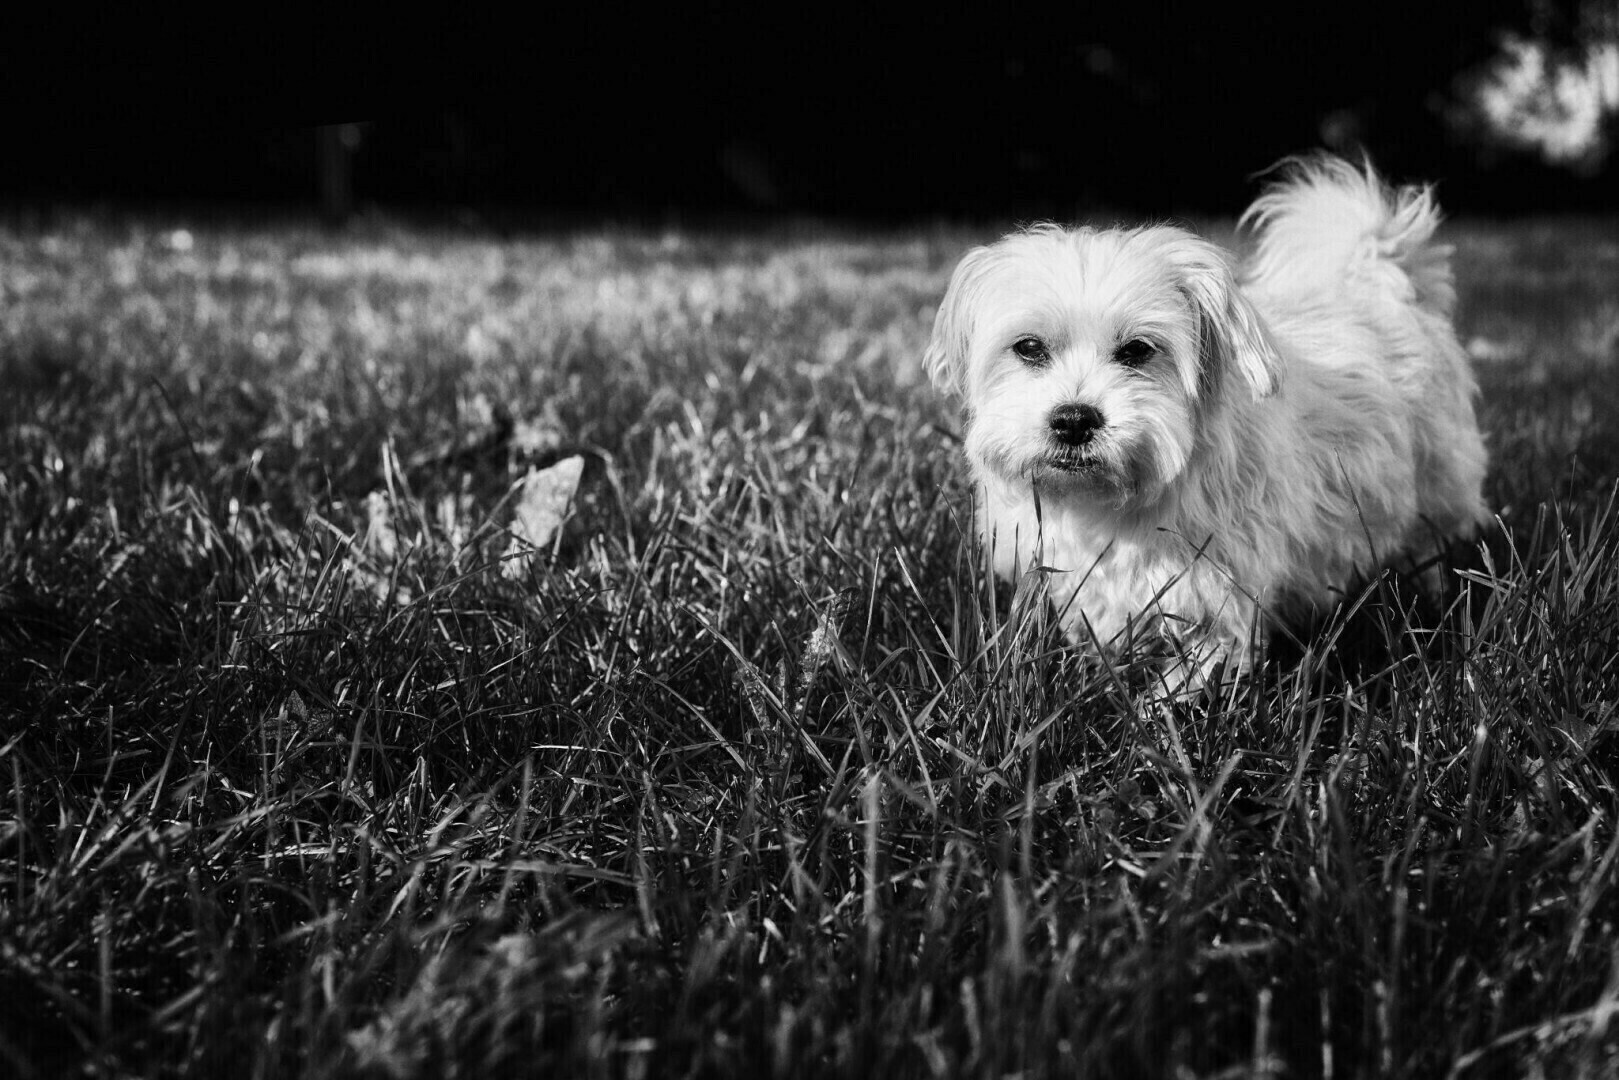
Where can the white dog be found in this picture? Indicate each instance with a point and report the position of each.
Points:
(1202, 455)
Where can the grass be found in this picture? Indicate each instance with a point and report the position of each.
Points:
(750, 770)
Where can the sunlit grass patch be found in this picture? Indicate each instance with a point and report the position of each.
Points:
(319, 765)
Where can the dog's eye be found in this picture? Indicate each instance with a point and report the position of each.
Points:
(1133, 352)
(1031, 350)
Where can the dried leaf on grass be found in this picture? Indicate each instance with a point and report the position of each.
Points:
(544, 497)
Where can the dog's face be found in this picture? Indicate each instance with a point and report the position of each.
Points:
(1090, 361)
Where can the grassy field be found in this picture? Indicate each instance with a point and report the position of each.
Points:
(308, 771)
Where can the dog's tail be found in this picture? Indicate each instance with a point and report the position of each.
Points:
(1327, 223)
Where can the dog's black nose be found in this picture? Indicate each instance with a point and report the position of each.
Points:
(1073, 425)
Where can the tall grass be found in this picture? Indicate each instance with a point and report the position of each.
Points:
(751, 770)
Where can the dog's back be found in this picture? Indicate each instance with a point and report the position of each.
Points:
(1331, 234)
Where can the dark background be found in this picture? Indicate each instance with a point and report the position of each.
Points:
(827, 113)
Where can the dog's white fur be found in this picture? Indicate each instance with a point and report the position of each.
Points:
(1291, 428)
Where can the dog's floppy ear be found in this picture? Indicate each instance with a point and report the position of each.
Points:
(1234, 337)
(945, 359)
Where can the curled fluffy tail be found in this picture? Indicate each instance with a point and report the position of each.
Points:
(1327, 223)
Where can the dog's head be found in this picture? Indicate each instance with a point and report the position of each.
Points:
(1088, 360)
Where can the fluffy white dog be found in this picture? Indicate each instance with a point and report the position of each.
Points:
(1202, 454)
